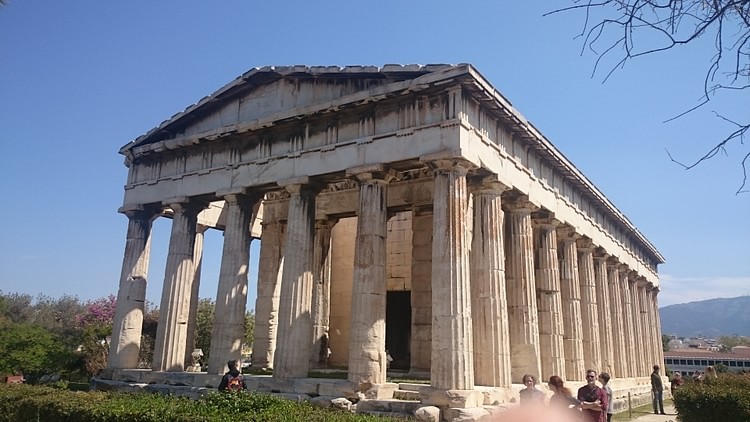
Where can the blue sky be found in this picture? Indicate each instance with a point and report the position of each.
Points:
(78, 80)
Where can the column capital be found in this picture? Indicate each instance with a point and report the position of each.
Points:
(548, 222)
(185, 204)
(487, 185)
(585, 244)
(519, 203)
(567, 233)
(601, 254)
(373, 172)
(138, 211)
(301, 189)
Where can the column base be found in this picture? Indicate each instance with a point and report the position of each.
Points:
(451, 398)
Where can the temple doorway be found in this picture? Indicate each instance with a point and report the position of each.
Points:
(398, 328)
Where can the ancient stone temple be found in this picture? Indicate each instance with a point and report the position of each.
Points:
(404, 213)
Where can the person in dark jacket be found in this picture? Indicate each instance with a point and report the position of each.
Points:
(657, 391)
(233, 380)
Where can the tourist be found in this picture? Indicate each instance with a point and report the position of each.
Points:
(604, 379)
(562, 398)
(657, 391)
(530, 394)
(676, 382)
(233, 380)
(593, 399)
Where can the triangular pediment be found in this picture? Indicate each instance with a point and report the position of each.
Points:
(268, 94)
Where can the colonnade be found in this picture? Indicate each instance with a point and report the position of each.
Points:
(514, 290)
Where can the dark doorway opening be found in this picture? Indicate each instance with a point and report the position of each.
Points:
(398, 328)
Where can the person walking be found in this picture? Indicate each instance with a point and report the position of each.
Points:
(657, 391)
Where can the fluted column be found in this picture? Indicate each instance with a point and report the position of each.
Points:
(657, 324)
(489, 303)
(321, 295)
(452, 356)
(549, 298)
(639, 362)
(131, 295)
(646, 332)
(271, 258)
(228, 331)
(523, 320)
(603, 310)
(571, 302)
(367, 357)
(627, 307)
(171, 332)
(194, 292)
(292, 357)
(591, 342)
(618, 322)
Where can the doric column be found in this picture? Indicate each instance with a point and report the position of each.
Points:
(657, 324)
(295, 326)
(618, 323)
(489, 303)
(571, 302)
(592, 355)
(131, 296)
(421, 291)
(367, 357)
(603, 310)
(270, 261)
(627, 318)
(194, 292)
(452, 356)
(228, 331)
(549, 298)
(639, 361)
(646, 331)
(321, 295)
(171, 332)
(523, 320)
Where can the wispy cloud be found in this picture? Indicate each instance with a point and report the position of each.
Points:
(691, 289)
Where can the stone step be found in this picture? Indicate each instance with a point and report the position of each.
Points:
(406, 395)
(387, 406)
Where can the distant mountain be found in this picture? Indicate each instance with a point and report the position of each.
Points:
(709, 318)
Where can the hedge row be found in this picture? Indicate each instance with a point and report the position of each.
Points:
(34, 403)
(725, 399)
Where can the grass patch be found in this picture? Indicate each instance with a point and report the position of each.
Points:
(646, 409)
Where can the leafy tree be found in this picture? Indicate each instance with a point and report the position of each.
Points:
(148, 336)
(628, 29)
(31, 350)
(665, 342)
(95, 327)
(204, 323)
(720, 368)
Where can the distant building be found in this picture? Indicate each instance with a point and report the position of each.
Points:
(688, 361)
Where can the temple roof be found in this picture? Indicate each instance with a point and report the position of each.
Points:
(263, 75)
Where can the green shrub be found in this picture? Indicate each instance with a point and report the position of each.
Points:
(37, 403)
(725, 399)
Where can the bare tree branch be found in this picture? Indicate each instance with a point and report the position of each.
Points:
(637, 24)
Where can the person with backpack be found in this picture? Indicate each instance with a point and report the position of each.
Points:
(233, 380)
